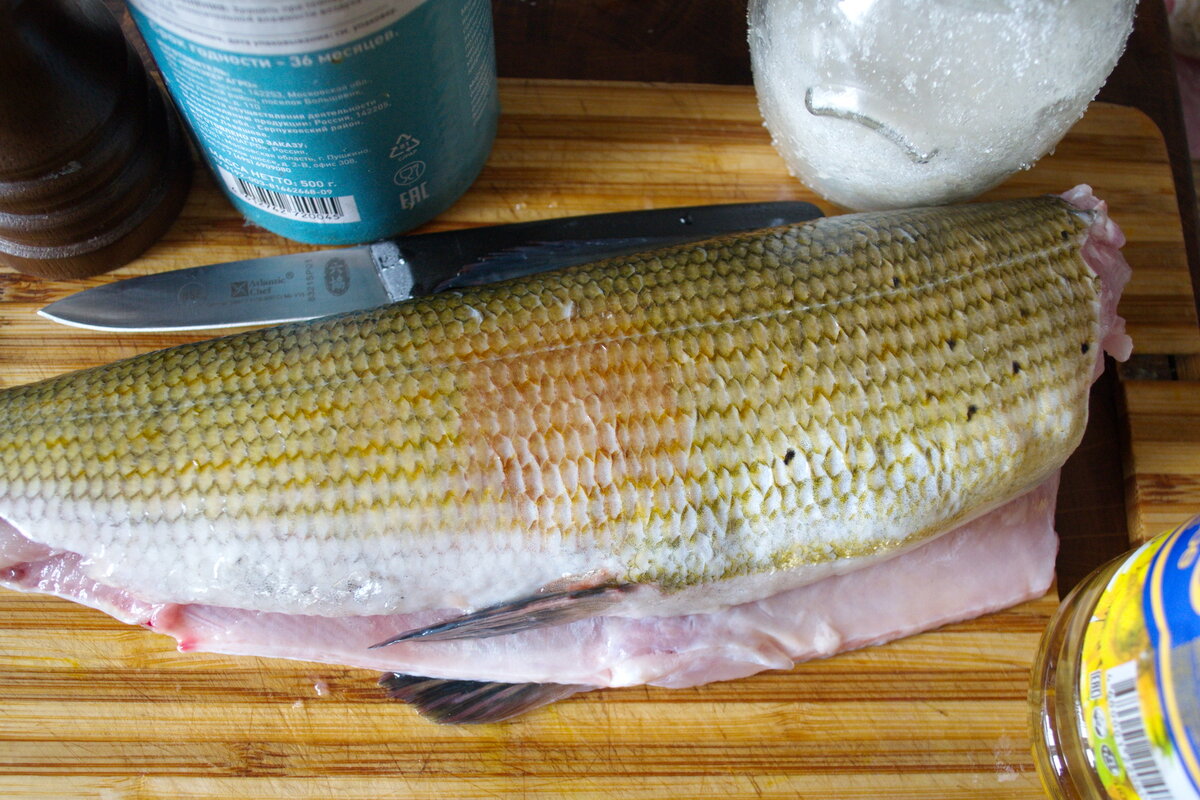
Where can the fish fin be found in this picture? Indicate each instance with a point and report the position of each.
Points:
(465, 702)
(537, 611)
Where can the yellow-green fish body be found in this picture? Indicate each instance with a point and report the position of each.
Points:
(719, 420)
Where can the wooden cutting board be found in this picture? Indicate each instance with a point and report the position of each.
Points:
(90, 708)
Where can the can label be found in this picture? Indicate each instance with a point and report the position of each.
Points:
(1139, 674)
(332, 121)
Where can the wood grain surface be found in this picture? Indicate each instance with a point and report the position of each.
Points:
(1161, 464)
(91, 708)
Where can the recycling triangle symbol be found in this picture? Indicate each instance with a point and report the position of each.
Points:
(405, 145)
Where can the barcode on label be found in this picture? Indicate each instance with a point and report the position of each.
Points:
(304, 208)
(1133, 743)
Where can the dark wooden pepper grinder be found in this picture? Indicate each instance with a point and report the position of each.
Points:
(94, 166)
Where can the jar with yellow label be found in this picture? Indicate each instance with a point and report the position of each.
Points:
(1116, 686)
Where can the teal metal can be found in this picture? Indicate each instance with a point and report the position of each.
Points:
(332, 121)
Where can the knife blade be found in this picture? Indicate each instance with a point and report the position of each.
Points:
(299, 286)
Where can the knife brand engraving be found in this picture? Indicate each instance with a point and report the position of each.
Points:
(191, 293)
(257, 288)
(337, 276)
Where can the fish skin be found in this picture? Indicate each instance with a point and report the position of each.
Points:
(736, 416)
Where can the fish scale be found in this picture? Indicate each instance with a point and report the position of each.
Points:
(630, 419)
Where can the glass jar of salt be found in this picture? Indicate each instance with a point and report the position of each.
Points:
(893, 103)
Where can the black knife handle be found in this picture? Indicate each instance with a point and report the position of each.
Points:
(500, 252)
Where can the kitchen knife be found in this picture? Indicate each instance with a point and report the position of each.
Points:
(300, 286)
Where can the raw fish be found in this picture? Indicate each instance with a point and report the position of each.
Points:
(673, 467)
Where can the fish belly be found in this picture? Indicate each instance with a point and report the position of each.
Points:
(997, 560)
